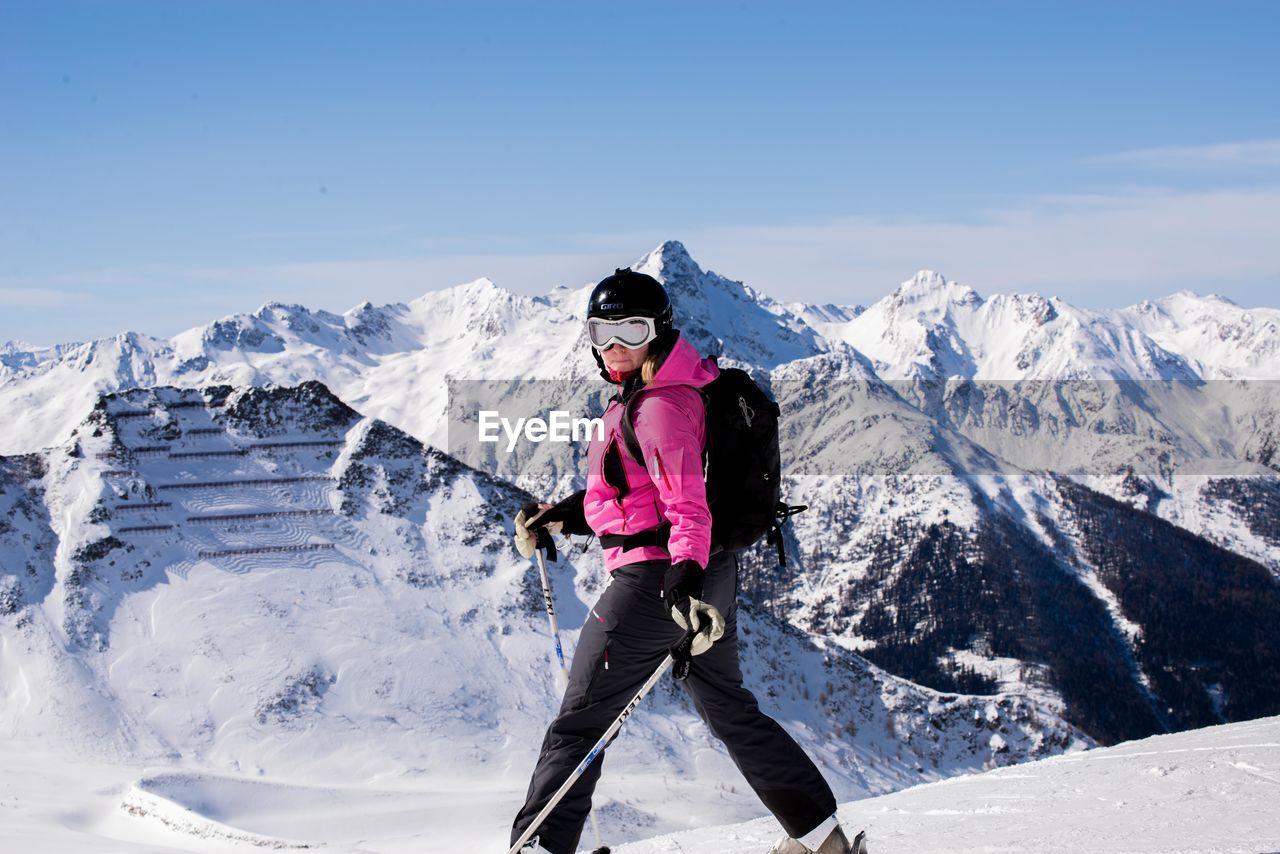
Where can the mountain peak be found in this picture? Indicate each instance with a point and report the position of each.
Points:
(283, 309)
(667, 262)
(1192, 295)
(929, 285)
(481, 288)
(476, 295)
(1182, 299)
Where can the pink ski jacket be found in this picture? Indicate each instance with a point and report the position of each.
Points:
(670, 421)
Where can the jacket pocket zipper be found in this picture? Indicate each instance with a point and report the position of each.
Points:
(662, 472)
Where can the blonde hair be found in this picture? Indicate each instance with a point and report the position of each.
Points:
(648, 368)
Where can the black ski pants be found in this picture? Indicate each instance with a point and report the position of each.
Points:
(627, 634)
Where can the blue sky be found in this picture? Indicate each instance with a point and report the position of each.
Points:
(165, 163)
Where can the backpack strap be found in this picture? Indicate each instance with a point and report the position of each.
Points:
(658, 536)
(782, 513)
(632, 441)
(629, 437)
(661, 535)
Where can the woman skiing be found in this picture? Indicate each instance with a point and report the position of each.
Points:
(655, 527)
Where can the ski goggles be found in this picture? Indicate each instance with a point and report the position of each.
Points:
(631, 332)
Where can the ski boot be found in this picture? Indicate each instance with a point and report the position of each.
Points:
(835, 843)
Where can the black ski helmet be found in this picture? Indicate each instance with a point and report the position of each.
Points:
(630, 294)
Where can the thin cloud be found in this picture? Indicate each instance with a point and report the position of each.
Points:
(39, 297)
(1261, 153)
(1097, 250)
(1093, 250)
(340, 285)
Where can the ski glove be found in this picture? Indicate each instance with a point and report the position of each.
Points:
(567, 517)
(527, 540)
(682, 589)
(571, 515)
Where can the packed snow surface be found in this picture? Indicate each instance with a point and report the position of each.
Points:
(1210, 790)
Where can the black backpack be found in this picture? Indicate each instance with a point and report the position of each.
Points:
(742, 464)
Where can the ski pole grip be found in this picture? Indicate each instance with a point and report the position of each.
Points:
(682, 652)
(546, 543)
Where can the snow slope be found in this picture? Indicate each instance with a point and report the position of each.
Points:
(1210, 790)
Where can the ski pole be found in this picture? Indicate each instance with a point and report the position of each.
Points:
(680, 649)
(562, 675)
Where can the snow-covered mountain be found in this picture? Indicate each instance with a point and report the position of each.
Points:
(1039, 383)
(727, 318)
(1219, 339)
(992, 583)
(1049, 387)
(1009, 496)
(262, 582)
(390, 361)
(934, 328)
